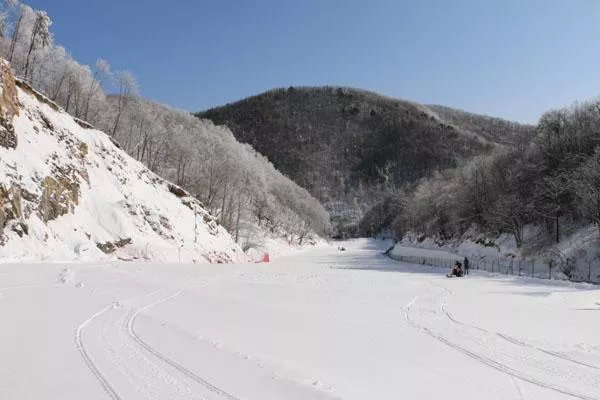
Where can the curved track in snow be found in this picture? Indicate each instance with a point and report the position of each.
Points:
(132, 333)
(88, 360)
(429, 314)
(129, 368)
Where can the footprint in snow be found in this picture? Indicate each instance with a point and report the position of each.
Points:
(66, 276)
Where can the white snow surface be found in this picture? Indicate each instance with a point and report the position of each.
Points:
(320, 324)
(119, 199)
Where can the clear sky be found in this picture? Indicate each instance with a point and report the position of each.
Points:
(507, 58)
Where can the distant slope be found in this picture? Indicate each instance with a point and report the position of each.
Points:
(67, 192)
(491, 128)
(344, 145)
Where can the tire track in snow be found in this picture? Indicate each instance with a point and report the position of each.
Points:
(545, 351)
(489, 344)
(88, 360)
(501, 367)
(512, 340)
(108, 388)
(169, 361)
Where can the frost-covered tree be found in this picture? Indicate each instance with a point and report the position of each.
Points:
(40, 36)
(587, 187)
(128, 87)
(102, 72)
(6, 7)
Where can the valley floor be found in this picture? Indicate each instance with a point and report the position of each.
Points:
(320, 324)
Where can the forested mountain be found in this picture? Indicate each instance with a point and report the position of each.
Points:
(349, 147)
(494, 129)
(248, 196)
(542, 195)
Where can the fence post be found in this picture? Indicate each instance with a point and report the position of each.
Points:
(533, 267)
(550, 270)
(520, 269)
(589, 270)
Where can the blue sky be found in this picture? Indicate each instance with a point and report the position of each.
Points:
(508, 58)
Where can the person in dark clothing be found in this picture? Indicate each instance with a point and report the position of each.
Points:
(466, 265)
(456, 271)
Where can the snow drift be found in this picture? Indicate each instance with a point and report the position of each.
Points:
(68, 193)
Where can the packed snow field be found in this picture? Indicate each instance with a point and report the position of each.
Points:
(319, 324)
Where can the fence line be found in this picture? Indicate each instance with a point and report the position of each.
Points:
(506, 266)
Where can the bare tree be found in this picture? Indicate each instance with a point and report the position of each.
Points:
(40, 36)
(102, 71)
(128, 86)
(587, 188)
(16, 32)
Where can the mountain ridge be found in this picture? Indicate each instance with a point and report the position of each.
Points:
(346, 146)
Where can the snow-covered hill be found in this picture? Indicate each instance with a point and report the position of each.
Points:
(68, 193)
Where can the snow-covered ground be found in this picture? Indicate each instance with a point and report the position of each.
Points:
(322, 324)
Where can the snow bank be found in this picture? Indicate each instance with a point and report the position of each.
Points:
(580, 246)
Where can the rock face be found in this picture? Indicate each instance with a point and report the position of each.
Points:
(8, 107)
(68, 193)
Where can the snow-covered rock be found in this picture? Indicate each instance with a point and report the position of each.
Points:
(68, 193)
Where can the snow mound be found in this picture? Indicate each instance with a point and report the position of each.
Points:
(69, 193)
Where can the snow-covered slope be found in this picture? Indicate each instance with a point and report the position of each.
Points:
(68, 193)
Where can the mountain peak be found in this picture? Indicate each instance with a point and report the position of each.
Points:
(347, 145)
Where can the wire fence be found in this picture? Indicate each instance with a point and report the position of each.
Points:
(507, 266)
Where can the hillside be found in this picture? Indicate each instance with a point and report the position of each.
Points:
(491, 128)
(260, 208)
(248, 196)
(68, 193)
(346, 145)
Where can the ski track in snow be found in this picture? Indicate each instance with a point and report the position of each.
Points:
(84, 353)
(88, 360)
(509, 338)
(130, 362)
(171, 362)
(514, 357)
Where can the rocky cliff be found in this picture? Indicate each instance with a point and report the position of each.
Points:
(67, 192)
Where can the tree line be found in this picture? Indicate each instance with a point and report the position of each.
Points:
(538, 192)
